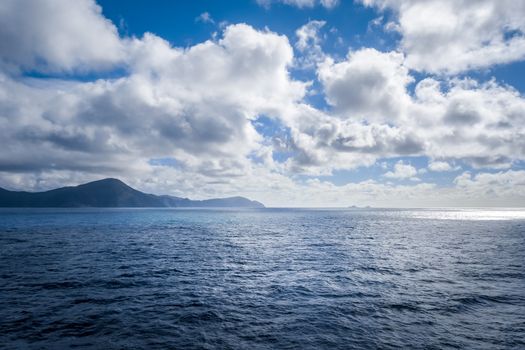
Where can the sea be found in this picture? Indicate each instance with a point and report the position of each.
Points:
(262, 279)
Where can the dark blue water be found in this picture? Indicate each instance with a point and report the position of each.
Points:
(262, 279)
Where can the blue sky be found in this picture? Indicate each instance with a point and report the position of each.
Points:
(290, 102)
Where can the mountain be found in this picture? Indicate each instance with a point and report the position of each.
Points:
(110, 193)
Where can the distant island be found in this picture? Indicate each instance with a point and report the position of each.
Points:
(110, 193)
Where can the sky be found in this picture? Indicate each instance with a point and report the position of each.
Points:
(302, 103)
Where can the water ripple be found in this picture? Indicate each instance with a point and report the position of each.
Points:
(262, 279)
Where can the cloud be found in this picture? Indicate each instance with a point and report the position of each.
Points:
(321, 142)
(478, 123)
(329, 4)
(501, 187)
(369, 85)
(194, 105)
(309, 43)
(463, 119)
(204, 17)
(448, 36)
(308, 35)
(439, 166)
(402, 171)
(53, 36)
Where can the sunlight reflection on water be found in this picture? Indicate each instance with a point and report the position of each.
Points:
(467, 214)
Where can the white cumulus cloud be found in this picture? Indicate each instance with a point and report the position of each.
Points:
(402, 171)
(54, 36)
(439, 166)
(450, 36)
(369, 85)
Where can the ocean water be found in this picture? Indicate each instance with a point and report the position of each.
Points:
(262, 279)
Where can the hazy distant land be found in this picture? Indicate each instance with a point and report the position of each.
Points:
(109, 193)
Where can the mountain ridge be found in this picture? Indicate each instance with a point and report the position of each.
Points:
(110, 193)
